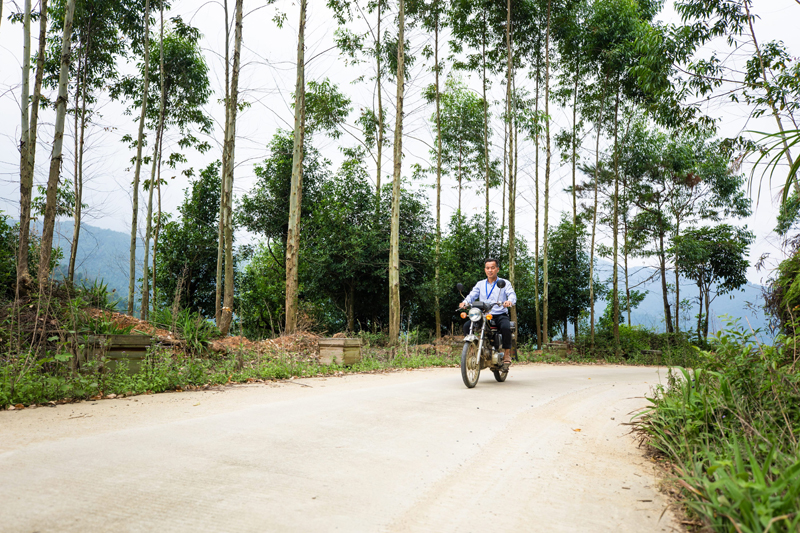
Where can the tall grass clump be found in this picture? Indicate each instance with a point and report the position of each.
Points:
(731, 427)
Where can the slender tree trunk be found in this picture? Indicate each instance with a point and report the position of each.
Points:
(615, 277)
(677, 282)
(486, 138)
(378, 53)
(26, 86)
(296, 195)
(350, 307)
(545, 288)
(75, 214)
(24, 146)
(394, 257)
(575, 149)
(76, 229)
(220, 226)
(594, 213)
(138, 170)
(230, 145)
(56, 155)
(438, 181)
(505, 184)
(627, 280)
(161, 119)
(536, 243)
(158, 221)
(154, 170)
(772, 105)
(700, 313)
(27, 165)
(76, 126)
(663, 267)
(512, 183)
(708, 311)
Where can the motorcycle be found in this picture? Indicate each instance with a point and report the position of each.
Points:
(482, 349)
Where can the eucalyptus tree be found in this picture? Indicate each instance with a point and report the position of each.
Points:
(570, 36)
(353, 44)
(24, 132)
(434, 17)
(461, 134)
(520, 18)
(173, 105)
(228, 159)
(104, 34)
(610, 48)
(476, 24)
(394, 241)
(138, 163)
(545, 262)
(56, 154)
(28, 159)
(677, 179)
(180, 91)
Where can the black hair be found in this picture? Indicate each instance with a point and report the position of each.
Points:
(490, 259)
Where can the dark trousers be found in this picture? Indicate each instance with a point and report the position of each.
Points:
(502, 321)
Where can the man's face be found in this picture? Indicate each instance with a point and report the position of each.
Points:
(491, 269)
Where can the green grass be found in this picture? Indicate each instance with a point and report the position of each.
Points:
(731, 427)
(27, 380)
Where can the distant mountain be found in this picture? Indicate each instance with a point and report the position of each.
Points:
(102, 254)
(745, 304)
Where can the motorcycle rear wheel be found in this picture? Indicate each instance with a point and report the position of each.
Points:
(499, 375)
(470, 366)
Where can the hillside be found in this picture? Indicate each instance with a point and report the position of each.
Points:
(745, 305)
(102, 255)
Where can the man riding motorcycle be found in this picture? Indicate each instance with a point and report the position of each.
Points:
(502, 298)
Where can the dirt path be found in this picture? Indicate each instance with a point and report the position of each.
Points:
(407, 451)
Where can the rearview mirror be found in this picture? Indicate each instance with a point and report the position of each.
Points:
(501, 283)
(459, 287)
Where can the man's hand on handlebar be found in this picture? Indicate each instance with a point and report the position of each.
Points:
(507, 303)
(462, 305)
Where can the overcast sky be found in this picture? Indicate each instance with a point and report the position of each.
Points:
(267, 81)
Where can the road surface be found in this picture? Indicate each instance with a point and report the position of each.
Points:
(408, 451)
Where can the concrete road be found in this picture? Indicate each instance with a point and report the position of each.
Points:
(408, 451)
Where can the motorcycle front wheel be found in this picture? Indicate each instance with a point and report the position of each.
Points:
(470, 366)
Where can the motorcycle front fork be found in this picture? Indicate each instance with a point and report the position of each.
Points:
(495, 359)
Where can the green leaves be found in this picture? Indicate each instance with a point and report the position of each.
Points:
(327, 108)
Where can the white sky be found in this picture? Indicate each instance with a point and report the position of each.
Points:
(267, 80)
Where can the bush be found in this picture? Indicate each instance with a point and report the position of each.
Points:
(189, 325)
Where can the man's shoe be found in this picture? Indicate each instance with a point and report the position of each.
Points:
(506, 362)
(505, 367)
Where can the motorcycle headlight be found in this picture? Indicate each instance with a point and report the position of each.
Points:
(474, 314)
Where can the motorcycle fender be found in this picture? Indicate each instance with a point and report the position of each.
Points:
(470, 338)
